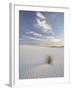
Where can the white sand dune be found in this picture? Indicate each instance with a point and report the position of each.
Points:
(41, 71)
(33, 62)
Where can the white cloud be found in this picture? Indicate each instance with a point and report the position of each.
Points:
(45, 41)
(39, 15)
(34, 34)
(51, 41)
(43, 24)
(33, 38)
(49, 38)
(37, 36)
(57, 40)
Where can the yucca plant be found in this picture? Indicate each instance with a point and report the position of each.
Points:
(49, 60)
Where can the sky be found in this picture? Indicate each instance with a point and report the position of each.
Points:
(41, 28)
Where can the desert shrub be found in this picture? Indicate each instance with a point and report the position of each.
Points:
(49, 60)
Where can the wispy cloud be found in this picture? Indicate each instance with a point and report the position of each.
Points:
(34, 34)
(52, 42)
(43, 24)
(32, 38)
(45, 40)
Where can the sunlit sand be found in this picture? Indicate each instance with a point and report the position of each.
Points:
(33, 62)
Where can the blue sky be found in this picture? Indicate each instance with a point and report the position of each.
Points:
(41, 27)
